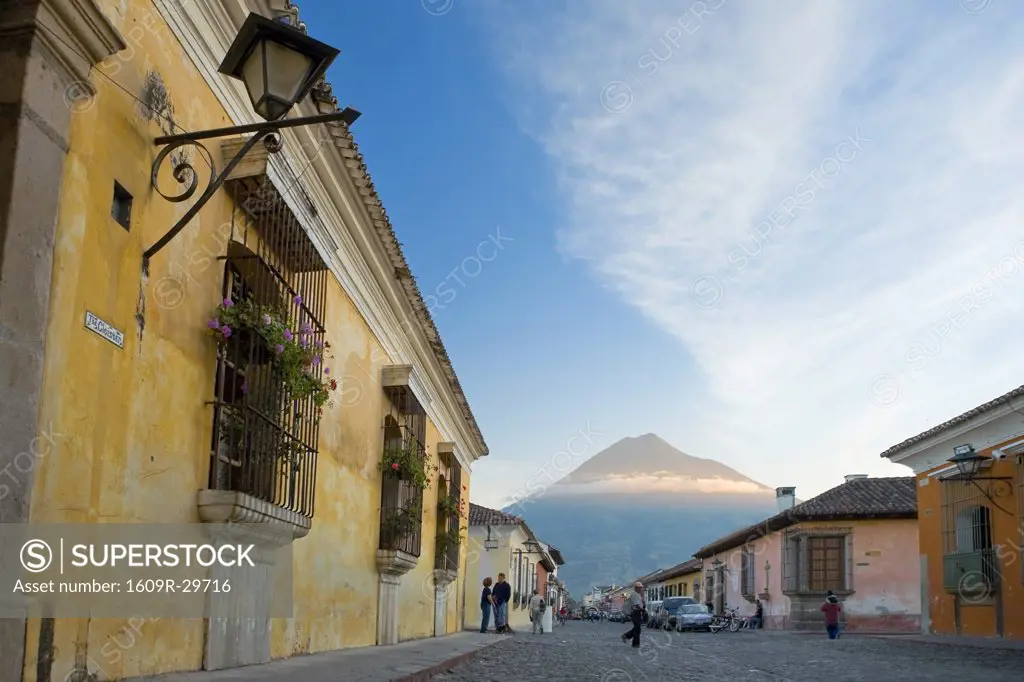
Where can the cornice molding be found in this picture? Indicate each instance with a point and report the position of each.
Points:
(353, 248)
(76, 34)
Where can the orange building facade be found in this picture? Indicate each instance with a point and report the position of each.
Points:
(971, 528)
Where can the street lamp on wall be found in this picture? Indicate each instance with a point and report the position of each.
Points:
(968, 465)
(278, 65)
(968, 462)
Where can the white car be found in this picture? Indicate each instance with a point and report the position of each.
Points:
(653, 609)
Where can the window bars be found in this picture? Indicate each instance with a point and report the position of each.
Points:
(449, 517)
(265, 438)
(747, 574)
(969, 561)
(401, 502)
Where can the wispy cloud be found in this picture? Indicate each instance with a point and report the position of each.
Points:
(666, 174)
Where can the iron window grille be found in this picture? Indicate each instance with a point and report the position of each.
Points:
(264, 442)
(449, 525)
(747, 573)
(401, 502)
(969, 563)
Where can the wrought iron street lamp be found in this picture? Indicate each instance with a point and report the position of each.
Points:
(967, 461)
(968, 464)
(278, 65)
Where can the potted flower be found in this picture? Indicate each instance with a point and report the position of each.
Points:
(399, 524)
(237, 324)
(451, 505)
(407, 462)
(298, 358)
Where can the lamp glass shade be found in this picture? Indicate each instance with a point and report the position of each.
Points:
(968, 465)
(274, 75)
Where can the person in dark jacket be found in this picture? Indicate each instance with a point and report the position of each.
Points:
(758, 621)
(501, 595)
(486, 601)
(832, 609)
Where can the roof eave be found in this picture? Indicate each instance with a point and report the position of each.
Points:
(968, 421)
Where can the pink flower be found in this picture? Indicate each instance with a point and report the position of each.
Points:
(327, 370)
(298, 300)
(395, 466)
(226, 331)
(278, 349)
(306, 328)
(213, 324)
(228, 303)
(288, 336)
(267, 320)
(316, 360)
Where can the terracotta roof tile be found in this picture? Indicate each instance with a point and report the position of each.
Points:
(861, 498)
(484, 516)
(966, 416)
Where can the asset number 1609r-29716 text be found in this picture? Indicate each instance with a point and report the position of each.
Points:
(184, 585)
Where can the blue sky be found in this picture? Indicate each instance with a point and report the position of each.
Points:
(767, 233)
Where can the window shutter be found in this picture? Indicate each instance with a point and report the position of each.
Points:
(848, 560)
(788, 556)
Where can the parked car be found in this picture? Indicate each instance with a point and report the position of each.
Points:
(693, 617)
(653, 608)
(669, 607)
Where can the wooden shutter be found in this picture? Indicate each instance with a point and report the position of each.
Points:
(788, 564)
(848, 561)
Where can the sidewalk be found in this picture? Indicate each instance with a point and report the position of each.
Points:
(405, 662)
(952, 640)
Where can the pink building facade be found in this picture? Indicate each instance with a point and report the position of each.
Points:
(859, 540)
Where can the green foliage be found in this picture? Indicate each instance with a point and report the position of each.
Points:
(408, 462)
(295, 354)
(400, 523)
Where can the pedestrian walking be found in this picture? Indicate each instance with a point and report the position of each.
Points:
(636, 605)
(832, 609)
(537, 608)
(501, 595)
(486, 602)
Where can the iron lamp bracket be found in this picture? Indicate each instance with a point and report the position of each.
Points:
(186, 174)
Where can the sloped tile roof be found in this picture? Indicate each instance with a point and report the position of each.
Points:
(955, 421)
(326, 102)
(688, 566)
(862, 498)
(484, 516)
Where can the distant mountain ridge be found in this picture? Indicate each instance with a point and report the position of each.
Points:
(638, 505)
(649, 456)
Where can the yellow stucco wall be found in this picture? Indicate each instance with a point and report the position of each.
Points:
(135, 429)
(687, 579)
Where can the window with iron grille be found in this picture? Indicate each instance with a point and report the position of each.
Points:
(747, 572)
(265, 440)
(696, 590)
(401, 504)
(816, 561)
(969, 560)
(449, 517)
(518, 569)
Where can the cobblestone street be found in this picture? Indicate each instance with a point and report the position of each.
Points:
(592, 651)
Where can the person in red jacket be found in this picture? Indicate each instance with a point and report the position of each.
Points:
(832, 609)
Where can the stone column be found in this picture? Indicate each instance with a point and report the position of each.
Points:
(443, 581)
(392, 564)
(47, 49)
(238, 627)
